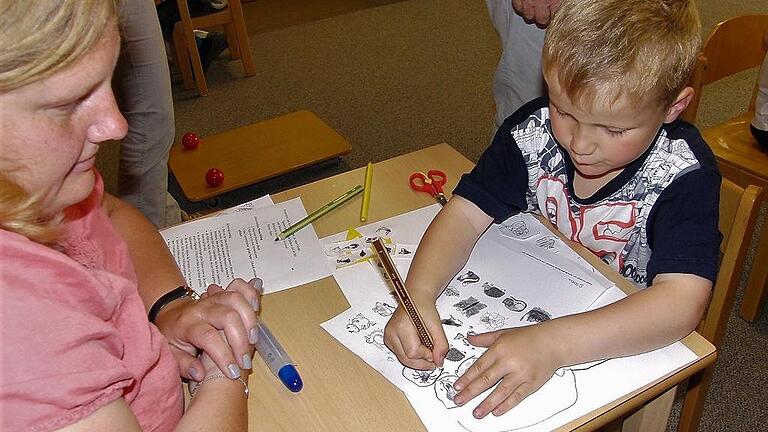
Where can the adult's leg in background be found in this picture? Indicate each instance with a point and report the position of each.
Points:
(518, 77)
(143, 86)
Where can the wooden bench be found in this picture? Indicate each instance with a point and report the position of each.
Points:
(255, 152)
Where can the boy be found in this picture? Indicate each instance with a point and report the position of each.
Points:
(604, 159)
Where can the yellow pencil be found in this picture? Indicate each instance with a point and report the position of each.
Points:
(366, 192)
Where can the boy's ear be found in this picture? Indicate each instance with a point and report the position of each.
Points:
(679, 105)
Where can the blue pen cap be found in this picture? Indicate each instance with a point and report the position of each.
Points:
(290, 378)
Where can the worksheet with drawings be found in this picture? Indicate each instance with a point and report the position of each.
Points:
(518, 274)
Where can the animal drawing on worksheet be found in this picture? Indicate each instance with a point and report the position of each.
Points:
(470, 306)
(451, 291)
(514, 304)
(359, 323)
(492, 290)
(492, 320)
(376, 338)
(384, 309)
(517, 228)
(536, 315)
(468, 277)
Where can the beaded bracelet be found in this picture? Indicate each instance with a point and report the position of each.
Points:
(194, 385)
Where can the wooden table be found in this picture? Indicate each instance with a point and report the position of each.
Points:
(341, 392)
(255, 152)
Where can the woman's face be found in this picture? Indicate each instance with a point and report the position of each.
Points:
(50, 130)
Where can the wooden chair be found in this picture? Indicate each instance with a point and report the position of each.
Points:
(738, 211)
(735, 45)
(231, 18)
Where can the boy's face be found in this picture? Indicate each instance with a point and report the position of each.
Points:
(602, 140)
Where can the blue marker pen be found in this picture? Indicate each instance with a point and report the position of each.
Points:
(277, 360)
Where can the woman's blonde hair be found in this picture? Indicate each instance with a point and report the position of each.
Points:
(40, 37)
(37, 39)
(601, 50)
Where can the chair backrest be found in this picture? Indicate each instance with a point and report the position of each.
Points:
(733, 46)
(738, 211)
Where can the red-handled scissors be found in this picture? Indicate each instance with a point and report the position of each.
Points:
(432, 183)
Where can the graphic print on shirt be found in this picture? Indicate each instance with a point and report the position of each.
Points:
(614, 228)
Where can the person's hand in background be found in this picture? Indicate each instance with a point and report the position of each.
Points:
(537, 11)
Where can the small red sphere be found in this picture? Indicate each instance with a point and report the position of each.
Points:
(190, 140)
(214, 177)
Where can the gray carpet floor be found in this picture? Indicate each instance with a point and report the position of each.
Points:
(400, 77)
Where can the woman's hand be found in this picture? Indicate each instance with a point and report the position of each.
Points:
(191, 326)
(520, 360)
(401, 337)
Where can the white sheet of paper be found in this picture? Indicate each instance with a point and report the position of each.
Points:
(264, 201)
(508, 271)
(405, 228)
(241, 244)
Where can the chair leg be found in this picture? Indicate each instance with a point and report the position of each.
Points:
(197, 66)
(755, 292)
(234, 47)
(695, 396)
(194, 55)
(238, 22)
(182, 57)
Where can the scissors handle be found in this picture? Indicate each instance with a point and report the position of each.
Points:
(430, 183)
(420, 182)
(438, 179)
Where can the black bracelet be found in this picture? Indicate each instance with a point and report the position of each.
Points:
(167, 298)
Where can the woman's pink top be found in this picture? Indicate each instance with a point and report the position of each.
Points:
(74, 331)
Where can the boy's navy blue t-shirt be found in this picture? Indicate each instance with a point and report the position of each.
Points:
(659, 215)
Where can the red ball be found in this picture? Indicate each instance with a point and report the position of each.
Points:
(214, 177)
(190, 140)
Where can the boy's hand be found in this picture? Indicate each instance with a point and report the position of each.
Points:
(401, 338)
(520, 360)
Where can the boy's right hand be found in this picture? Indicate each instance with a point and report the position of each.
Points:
(401, 338)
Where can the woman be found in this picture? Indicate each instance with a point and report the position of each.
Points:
(79, 269)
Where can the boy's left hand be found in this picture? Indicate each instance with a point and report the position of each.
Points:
(520, 360)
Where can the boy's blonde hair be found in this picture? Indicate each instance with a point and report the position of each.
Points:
(644, 50)
(37, 39)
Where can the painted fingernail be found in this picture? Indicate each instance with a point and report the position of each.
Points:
(247, 362)
(477, 413)
(195, 374)
(257, 283)
(253, 336)
(458, 400)
(234, 371)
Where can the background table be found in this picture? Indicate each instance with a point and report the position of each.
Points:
(341, 392)
(255, 152)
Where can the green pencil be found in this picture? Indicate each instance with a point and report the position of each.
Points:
(346, 196)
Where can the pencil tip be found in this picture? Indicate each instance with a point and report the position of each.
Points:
(277, 238)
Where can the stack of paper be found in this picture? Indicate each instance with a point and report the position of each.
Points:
(240, 242)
